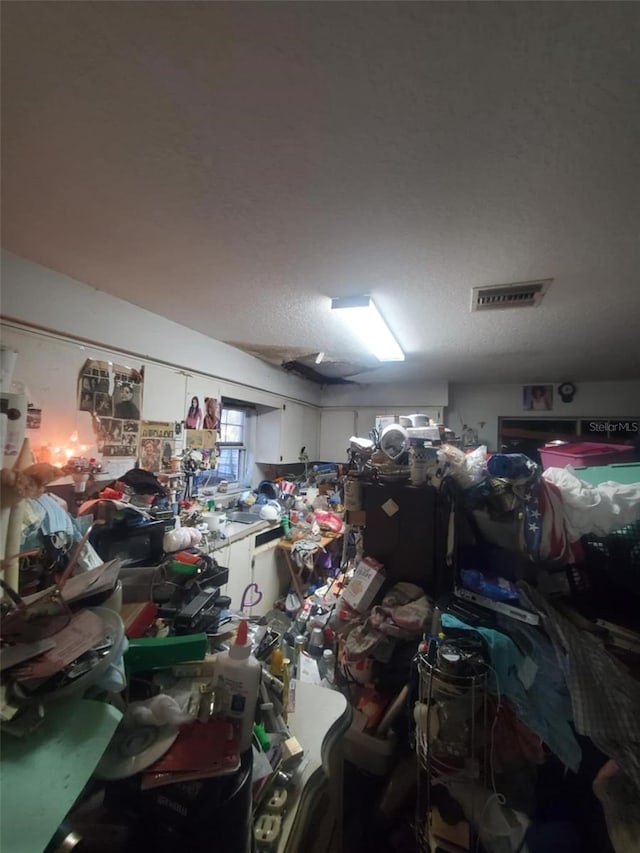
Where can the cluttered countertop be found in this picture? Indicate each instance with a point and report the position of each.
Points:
(180, 623)
(72, 651)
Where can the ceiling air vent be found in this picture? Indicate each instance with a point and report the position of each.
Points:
(522, 294)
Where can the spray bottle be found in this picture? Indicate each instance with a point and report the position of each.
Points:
(237, 684)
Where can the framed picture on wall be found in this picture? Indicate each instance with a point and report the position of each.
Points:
(537, 398)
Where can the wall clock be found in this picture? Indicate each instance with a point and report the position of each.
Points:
(566, 391)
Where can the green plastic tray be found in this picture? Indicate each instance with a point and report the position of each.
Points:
(621, 472)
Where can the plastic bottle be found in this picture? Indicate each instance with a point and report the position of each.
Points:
(316, 643)
(300, 625)
(237, 684)
(276, 663)
(328, 666)
(299, 648)
(286, 526)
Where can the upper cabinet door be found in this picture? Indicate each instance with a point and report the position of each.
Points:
(282, 433)
(163, 394)
(269, 435)
(291, 440)
(336, 428)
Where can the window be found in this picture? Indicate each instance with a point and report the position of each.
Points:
(232, 426)
(231, 444)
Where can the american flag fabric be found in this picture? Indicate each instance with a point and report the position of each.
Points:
(544, 534)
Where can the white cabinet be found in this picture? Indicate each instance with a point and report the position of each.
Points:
(163, 394)
(282, 433)
(336, 428)
(268, 430)
(291, 432)
(270, 576)
(238, 559)
(256, 567)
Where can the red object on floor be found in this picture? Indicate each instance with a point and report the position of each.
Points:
(142, 621)
(111, 494)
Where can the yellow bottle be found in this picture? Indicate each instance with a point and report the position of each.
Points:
(276, 662)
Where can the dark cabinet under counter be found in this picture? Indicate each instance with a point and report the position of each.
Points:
(268, 535)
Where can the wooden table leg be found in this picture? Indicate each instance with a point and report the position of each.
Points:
(294, 576)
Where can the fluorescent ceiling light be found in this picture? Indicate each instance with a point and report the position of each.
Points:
(367, 324)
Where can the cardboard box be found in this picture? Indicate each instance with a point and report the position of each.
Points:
(364, 585)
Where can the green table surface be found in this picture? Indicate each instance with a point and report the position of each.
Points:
(42, 776)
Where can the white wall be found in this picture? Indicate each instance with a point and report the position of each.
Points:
(41, 297)
(352, 409)
(412, 395)
(480, 406)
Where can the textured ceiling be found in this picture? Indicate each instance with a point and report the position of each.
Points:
(231, 166)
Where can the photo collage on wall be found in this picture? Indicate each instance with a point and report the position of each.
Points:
(118, 437)
(202, 422)
(202, 415)
(157, 445)
(34, 417)
(204, 441)
(112, 393)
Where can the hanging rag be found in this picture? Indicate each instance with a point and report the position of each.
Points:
(605, 700)
(303, 553)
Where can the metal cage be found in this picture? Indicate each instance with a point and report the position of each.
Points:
(451, 719)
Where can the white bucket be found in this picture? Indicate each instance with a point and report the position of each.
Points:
(213, 520)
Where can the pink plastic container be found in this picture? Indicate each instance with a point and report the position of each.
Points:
(585, 454)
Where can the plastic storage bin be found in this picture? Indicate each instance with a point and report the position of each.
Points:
(626, 473)
(585, 454)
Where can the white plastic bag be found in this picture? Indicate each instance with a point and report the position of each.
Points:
(594, 509)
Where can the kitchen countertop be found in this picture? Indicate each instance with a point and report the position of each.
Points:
(235, 530)
(320, 719)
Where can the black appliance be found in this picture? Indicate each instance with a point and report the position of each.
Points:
(126, 534)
